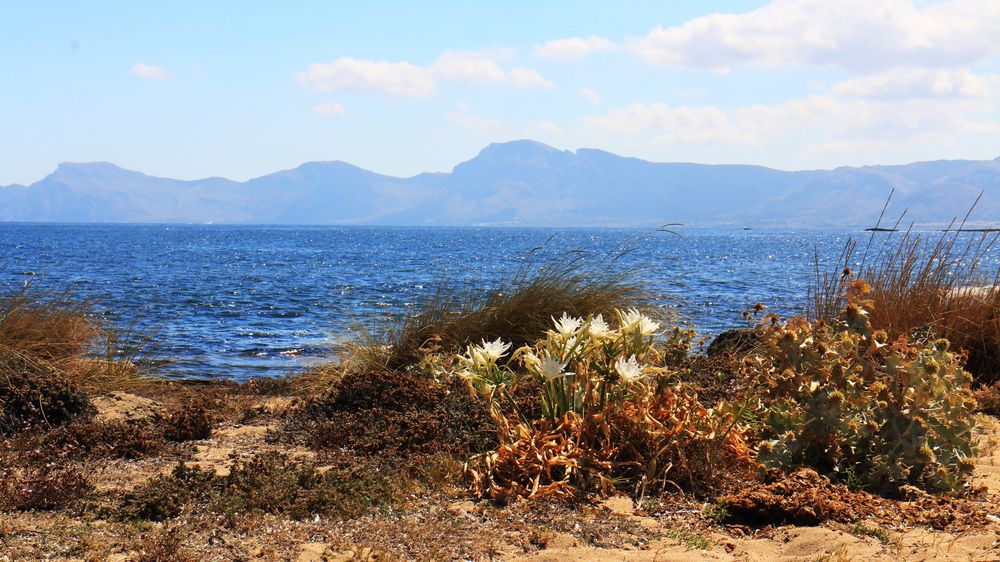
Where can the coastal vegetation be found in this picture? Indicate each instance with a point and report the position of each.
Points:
(499, 422)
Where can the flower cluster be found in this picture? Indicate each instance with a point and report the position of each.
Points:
(581, 362)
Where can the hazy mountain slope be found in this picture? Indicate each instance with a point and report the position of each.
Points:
(517, 183)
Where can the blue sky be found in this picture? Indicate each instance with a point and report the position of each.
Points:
(240, 89)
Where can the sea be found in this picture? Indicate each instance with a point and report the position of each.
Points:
(260, 301)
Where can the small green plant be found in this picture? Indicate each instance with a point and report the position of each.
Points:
(582, 365)
(862, 530)
(718, 512)
(689, 539)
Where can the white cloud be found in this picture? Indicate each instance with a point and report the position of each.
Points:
(573, 48)
(150, 71)
(547, 127)
(467, 66)
(477, 123)
(332, 109)
(901, 83)
(407, 80)
(590, 95)
(665, 124)
(346, 74)
(835, 120)
(858, 35)
(527, 78)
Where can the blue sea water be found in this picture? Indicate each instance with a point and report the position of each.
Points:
(240, 301)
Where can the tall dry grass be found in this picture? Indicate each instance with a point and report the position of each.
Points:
(45, 327)
(924, 284)
(47, 333)
(516, 310)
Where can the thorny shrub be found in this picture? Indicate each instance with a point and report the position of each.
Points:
(843, 399)
(614, 417)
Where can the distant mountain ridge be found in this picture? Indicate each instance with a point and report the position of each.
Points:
(518, 183)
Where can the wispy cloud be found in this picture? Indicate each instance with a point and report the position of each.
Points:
(406, 80)
(150, 72)
(590, 95)
(527, 78)
(573, 48)
(902, 83)
(332, 109)
(346, 74)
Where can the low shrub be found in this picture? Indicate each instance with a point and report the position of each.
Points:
(33, 394)
(163, 545)
(42, 486)
(397, 413)
(273, 483)
(846, 400)
(193, 420)
(267, 483)
(800, 498)
(103, 439)
(166, 496)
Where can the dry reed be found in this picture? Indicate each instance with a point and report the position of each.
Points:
(925, 285)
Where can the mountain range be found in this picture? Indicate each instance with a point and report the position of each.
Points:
(518, 183)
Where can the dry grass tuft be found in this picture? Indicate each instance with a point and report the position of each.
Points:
(52, 340)
(51, 328)
(515, 310)
(925, 285)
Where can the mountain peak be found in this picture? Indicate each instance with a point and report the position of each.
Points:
(76, 169)
(518, 147)
(514, 154)
(96, 165)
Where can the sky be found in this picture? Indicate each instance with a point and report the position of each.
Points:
(241, 89)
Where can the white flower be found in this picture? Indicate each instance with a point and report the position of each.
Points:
(629, 369)
(493, 350)
(528, 358)
(551, 368)
(646, 325)
(598, 327)
(632, 318)
(567, 325)
(629, 317)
